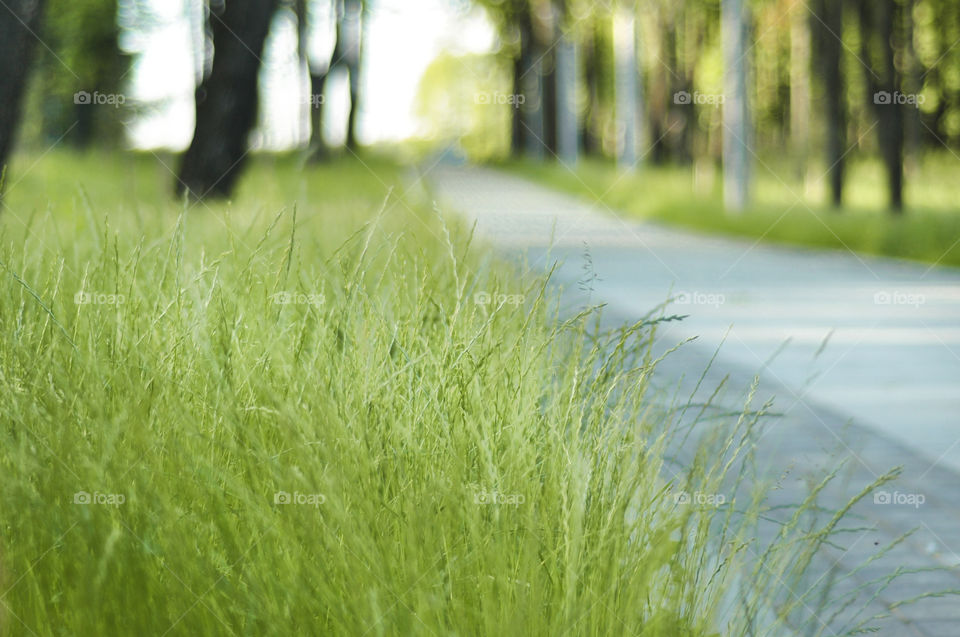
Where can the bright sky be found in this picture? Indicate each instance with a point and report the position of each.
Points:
(402, 37)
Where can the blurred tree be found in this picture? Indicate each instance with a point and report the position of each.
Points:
(227, 99)
(800, 86)
(542, 89)
(82, 57)
(466, 101)
(881, 40)
(530, 33)
(347, 17)
(567, 131)
(800, 77)
(660, 78)
(736, 115)
(348, 52)
(511, 18)
(683, 56)
(599, 81)
(311, 15)
(19, 23)
(534, 35)
(827, 28)
(941, 54)
(628, 100)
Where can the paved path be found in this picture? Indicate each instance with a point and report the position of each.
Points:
(839, 338)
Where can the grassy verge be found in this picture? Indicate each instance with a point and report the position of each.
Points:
(785, 210)
(239, 420)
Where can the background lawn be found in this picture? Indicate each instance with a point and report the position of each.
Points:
(785, 209)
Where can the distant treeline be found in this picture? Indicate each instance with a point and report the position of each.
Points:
(831, 77)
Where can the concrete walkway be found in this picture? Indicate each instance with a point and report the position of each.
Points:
(863, 353)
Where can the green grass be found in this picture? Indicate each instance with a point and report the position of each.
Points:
(785, 209)
(453, 467)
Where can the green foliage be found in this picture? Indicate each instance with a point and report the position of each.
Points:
(81, 54)
(467, 100)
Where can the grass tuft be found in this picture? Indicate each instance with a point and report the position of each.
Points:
(270, 418)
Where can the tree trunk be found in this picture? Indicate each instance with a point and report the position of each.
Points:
(18, 18)
(800, 87)
(352, 39)
(891, 131)
(85, 131)
(354, 109)
(517, 131)
(226, 101)
(660, 95)
(549, 80)
(736, 117)
(533, 104)
(319, 74)
(566, 115)
(878, 21)
(827, 24)
(627, 96)
(598, 68)
(318, 145)
(913, 83)
(589, 140)
(303, 60)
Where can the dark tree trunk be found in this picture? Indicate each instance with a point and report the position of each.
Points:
(550, 103)
(555, 83)
(799, 87)
(17, 19)
(660, 96)
(352, 38)
(914, 84)
(354, 108)
(892, 125)
(318, 145)
(595, 59)
(827, 24)
(878, 23)
(347, 49)
(549, 37)
(522, 63)
(516, 122)
(85, 130)
(226, 101)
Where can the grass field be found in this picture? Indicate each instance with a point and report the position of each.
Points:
(785, 209)
(311, 411)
